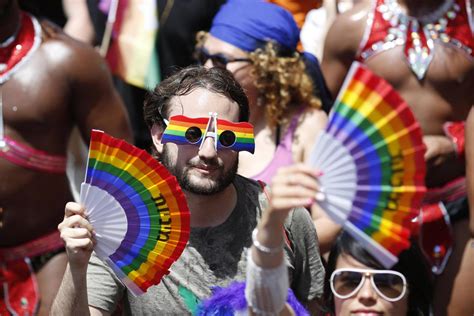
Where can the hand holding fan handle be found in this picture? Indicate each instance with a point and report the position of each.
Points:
(138, 211)
(78, 236)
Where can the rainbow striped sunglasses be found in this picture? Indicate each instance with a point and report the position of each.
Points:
(183, 130)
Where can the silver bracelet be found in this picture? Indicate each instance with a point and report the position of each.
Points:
(263, 248)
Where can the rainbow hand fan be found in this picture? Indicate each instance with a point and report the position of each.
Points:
(137, 209)
(372, 158)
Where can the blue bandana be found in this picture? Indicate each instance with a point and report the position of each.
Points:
(249, 24)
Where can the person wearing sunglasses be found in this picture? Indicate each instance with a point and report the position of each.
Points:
(183, 130)
(357, 284)
(256, 41)
(198, 122)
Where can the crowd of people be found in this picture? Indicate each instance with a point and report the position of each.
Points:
(259, 242)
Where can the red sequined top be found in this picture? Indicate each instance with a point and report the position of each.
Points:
(388, 26)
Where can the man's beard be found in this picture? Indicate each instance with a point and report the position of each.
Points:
(218, 185)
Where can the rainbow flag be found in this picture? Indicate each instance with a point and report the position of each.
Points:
(132, 54)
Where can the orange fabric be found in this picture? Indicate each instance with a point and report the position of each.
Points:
(298, 8)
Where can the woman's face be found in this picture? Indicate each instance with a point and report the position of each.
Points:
(366, 302)
(240, 69)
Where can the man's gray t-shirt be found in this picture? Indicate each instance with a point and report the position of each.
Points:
(215, 256)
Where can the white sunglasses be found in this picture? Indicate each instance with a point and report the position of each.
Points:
(390, 285)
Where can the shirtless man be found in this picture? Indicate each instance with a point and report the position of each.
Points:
(48, 84)
(416, 46)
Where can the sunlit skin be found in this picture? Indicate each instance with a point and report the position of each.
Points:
(64, 84)
(366, 302)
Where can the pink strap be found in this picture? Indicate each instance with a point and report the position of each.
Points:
(31, 158)
(47, 243)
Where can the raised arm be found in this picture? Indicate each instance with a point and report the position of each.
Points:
(79, 24)
(267, 273)
(340, 49)
(77, 234)
(341, 44)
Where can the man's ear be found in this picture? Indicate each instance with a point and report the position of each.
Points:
(156, 133)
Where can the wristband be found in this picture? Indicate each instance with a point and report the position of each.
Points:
(455, 131)
(263, 248)
(266, 290)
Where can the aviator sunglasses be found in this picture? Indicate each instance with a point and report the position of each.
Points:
(183, 130)
(390, 285)
(218, 60)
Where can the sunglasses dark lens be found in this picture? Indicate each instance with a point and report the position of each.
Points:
(346, 282)
(202, 57)
(227, 138)
(219, 61)
(193, 134)
(390, 285)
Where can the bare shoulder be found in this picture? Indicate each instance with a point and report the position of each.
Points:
(74, 58)
(310, 124)
(92, 96)
(342, 43)
(311, 118)
(348, 28)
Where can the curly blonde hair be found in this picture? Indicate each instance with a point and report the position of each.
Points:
(282, 82)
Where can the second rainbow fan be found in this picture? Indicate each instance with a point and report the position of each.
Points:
(372, 158)
(137, 209)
